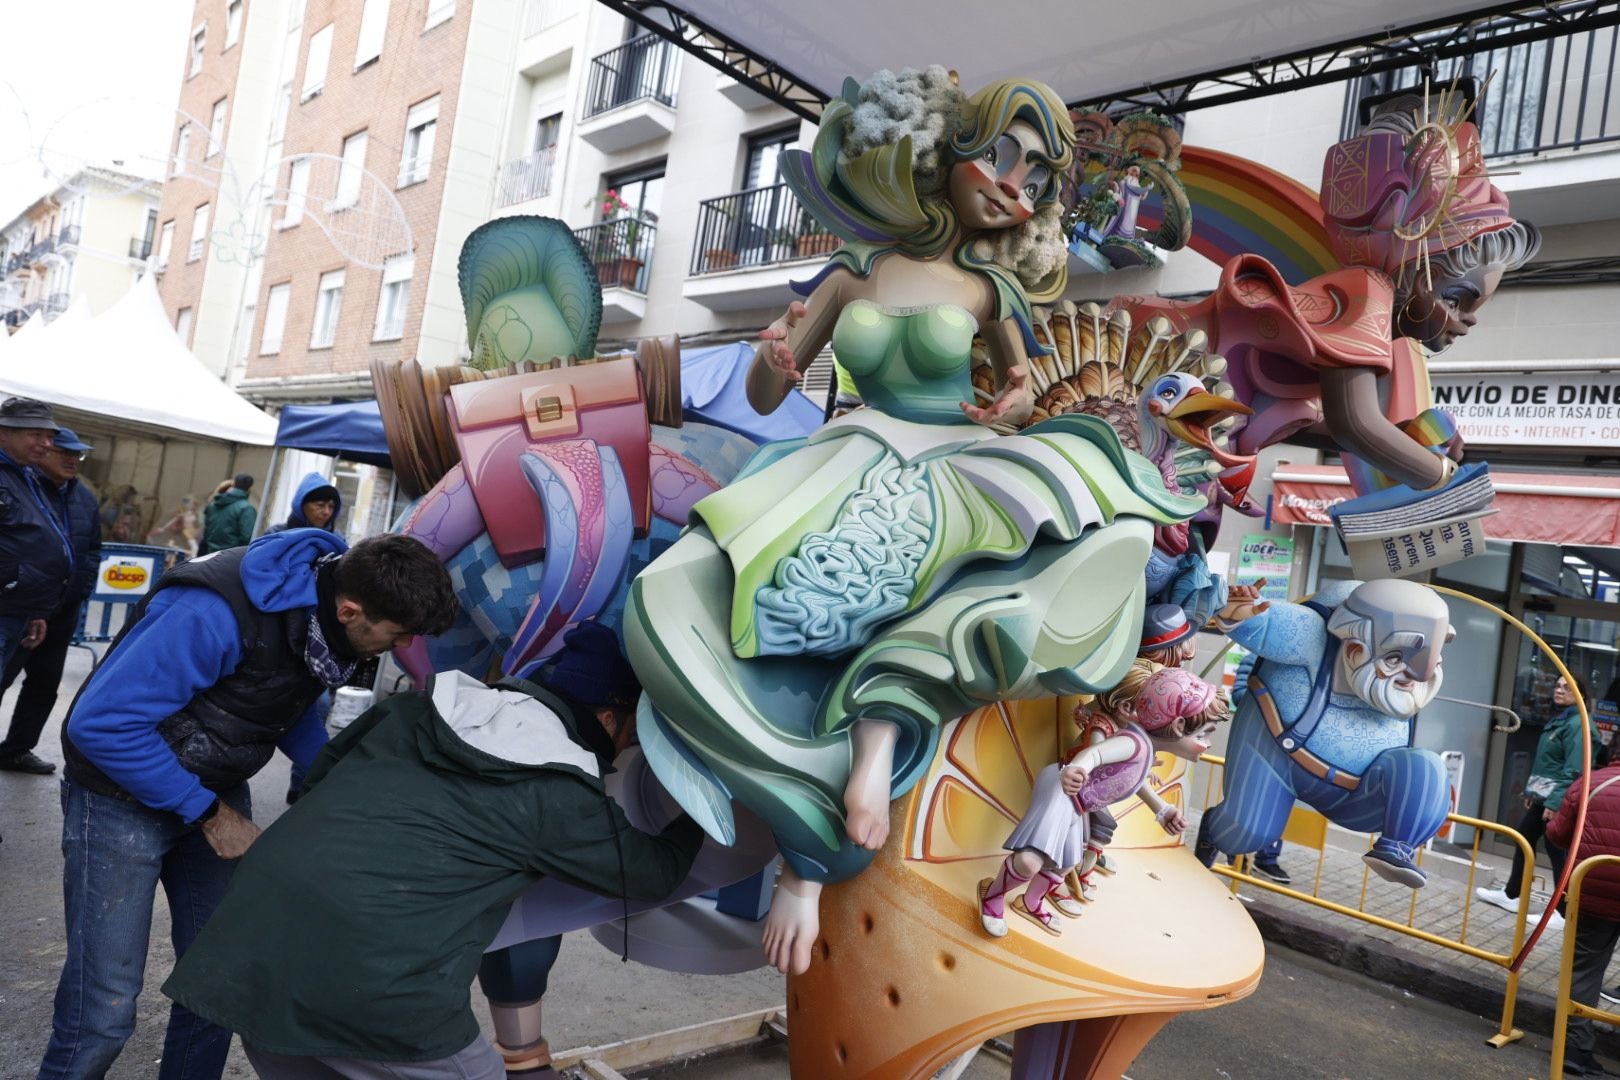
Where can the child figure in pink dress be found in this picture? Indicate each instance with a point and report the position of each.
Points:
(1153, 708)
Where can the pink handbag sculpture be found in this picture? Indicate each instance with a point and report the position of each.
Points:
(496, 420)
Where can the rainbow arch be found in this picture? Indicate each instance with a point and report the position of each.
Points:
(1240, 206)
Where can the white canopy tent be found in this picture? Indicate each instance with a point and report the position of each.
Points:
(127, 364)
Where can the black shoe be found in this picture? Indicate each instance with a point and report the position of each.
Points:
(1611, 995)
(28, 762)
(1589, 1068)
(1272, 871)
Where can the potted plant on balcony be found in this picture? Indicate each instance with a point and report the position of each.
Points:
(617, 254)
(811, 244)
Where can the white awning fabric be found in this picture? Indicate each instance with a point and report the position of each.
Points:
(127, 364)
(1084, 51)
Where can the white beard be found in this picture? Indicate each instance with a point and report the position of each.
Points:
(1382, 694)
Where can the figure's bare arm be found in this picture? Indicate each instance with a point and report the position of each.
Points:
(788, 345)
(1014, 400)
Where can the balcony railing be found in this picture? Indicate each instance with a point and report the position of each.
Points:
(15, 317)
(17, 261)
(756, 228)
(622, 251)
(1557, 94)
(68, 235)
(140, 248)
(644, 67)
(526, 178)
(54, 304)
(41, 249)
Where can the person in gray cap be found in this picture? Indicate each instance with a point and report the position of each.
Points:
(41, 666)
(36, 556)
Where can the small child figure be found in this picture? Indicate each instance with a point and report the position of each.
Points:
(1153, 708)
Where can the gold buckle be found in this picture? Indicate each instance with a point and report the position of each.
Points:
(550, 412)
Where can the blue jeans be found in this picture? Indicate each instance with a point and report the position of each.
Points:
(117, 852)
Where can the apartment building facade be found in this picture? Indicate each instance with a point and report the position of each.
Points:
(88, 237)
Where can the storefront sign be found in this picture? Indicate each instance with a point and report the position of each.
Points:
(1560, 408)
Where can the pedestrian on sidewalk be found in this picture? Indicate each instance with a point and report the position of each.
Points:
(315, 505)
(228, 519)
(36, 558)
(1599, 927)
(1558, 762)
(215, 670)
(41, 666)
(348, 943)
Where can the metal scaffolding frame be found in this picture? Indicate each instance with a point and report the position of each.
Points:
(1385, 49)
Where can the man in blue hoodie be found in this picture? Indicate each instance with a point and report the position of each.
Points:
(216, 669)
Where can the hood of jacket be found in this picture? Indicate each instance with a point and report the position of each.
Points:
(278, 570)
(309, 485)
(503, 733)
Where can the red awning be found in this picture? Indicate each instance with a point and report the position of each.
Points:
(1533, 508)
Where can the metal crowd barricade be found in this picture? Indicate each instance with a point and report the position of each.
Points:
(1307, 828)
(127, 574)
(1567, 1006)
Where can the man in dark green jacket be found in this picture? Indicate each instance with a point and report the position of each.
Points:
(228, 518)
(354, 925)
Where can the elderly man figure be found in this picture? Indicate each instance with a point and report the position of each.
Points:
(41, 666)
(1328, 720)
(36, 556)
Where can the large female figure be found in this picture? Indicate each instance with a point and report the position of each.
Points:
(850, 592)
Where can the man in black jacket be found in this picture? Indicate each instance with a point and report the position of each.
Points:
(41, 666)
(36, 556)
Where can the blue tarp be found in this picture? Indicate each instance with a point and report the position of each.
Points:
(346, 429)
(714, 391)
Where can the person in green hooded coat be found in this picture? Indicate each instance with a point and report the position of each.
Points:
(352, 931)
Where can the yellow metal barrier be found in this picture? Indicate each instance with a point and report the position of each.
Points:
(1307, 828)
(1567, 1007)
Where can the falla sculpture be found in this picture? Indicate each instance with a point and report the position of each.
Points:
(869, 645)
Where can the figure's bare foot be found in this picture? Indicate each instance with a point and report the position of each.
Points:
(793, 924)
(866, 796)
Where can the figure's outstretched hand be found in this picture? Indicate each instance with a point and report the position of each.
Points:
(780, 355)
(1242, 602)
(1015, 398)
(1072, 779)
(1172, 821)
